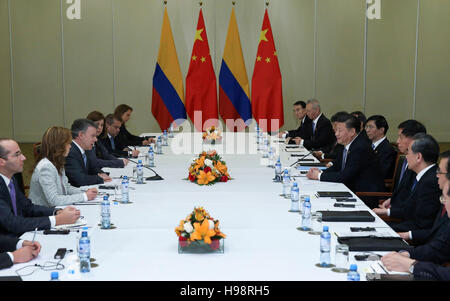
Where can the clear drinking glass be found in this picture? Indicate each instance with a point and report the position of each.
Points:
(316, 223)
(341, 258)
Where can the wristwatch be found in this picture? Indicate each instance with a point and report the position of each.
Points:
(411, 267)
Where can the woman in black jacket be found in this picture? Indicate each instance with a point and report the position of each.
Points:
(123, 113)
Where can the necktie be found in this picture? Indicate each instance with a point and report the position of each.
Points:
(444, 210)
(344, 158)
(373, 146)
(112, 143)
(414, 185)
(314, 127)
(12, 192)
(402, 173)
(85, 160)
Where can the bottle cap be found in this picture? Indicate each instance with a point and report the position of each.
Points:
(125, 177)
(54, 275)
(286, 172)
(84, 234)
(150, 148)
(105, 197)
(353, 267)
(139, 161)
(295, 184)
(325, 228)
(85, 228)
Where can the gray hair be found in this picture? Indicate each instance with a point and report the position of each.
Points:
(315, 103)
(427, 146)
(81, 125)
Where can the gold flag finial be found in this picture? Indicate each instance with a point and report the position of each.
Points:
(201, 3)
(267, 3)
(234, 3)
(165, 2)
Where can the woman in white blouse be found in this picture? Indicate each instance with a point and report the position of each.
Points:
(49, 185)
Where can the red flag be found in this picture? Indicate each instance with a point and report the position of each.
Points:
(201, 89)
(267, 93)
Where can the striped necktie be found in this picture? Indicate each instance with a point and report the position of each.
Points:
(344, 158)
(85, 159)
(12, 192)
(402, 173)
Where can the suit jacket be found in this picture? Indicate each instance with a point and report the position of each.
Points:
(126, 138)
(422, 236)
(402, 190)
(386, 156)
(431, 271)
(49, 189)
(361, 171)
(79, 174)
(103, 158)
(118, 151)
(420, 208)
(29, 216)
(299, 132)
(436, 250)
(334, 151)
(7, 244)
(323, 137)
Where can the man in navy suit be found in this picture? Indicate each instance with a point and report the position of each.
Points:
(424, 261)
(111, 140)
(356, 165)
(422, 205)
(300, 113)
(17, 213)
(318, 134)
(14, 250)
(376, 129)
(81, 168)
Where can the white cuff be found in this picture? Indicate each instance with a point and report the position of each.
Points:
(318, 177)
(19, 244)
(85, 197)
(11, 255)
(52, 221)
(389, 212)
(301, 142)
(410, 235)
(323, 156)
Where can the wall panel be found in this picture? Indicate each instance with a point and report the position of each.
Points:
(6, 129)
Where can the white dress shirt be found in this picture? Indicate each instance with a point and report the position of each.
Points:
(378, 142)
(315, 126)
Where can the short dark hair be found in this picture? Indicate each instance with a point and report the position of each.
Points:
(109, 119)
(81, 125)
(351, 122)
(411, 127)
(360, 115)
(380, 122)
(427, 146)
(336, 116)
(300, 103)
(446, 155)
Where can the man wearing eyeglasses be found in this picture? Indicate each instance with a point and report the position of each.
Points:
(17, 213)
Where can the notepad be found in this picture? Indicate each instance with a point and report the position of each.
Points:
(78, 223)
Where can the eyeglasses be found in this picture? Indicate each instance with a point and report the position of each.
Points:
(439, 172)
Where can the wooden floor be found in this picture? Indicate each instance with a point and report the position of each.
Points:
(27, 150)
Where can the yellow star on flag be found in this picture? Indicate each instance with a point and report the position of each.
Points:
(198, 35)
(258, 58)
(268, 60)
(275, 53)
(203, 59)
(262, 37)
(194, 58)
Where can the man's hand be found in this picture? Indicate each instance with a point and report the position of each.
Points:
(397, 262)
(145, 142)
(297, 140)
(35, 245)
(25, 254)
(313, 174)
(135, 153)
(404, 235)
(68, 215)
(380, 211)
(105, 177)
(91, 193)
(386, 204)
(318, 154)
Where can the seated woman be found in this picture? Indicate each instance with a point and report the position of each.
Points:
(123, 113)
(49, 185)
(103, 157)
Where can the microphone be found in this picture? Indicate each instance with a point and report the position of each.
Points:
(156, 177)
(303, 157)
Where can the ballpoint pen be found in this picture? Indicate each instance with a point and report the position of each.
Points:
(34, 236)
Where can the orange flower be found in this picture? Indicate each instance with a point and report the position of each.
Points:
(199, 163)
(222, 168)
(180, 228)
(217, 230)
(202, 232)
(204, 178)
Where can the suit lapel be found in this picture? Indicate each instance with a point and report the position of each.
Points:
(5, 191)
(80, 156)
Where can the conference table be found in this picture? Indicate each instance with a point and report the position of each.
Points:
(262, 243)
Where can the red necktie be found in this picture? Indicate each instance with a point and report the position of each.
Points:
(444, 210)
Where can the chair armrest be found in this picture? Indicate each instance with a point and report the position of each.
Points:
(380, 194)
(390, 219)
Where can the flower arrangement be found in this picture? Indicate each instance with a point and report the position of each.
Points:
(199, 232)
(208, 169)
(212, 135)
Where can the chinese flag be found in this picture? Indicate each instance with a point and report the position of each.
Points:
(201, 87)
(267, 94)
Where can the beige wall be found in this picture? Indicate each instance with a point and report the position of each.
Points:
(63, 69)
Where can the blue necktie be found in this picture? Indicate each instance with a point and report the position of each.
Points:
(344, 159)
(85, 160)
(373, 146)
(414, 184)
(12, 192)
(402, 173)
(314, 127)
(112, 143)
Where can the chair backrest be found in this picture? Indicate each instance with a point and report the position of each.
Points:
(36, 150)
(392, 182)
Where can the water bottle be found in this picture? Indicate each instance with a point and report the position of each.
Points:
(278, 170)
(306, 215)
(125, 185)
(286, 184)
(165, 140)
(106, 213)
(325, 247)
(84, 253)
(158, 146)
(171, 130)
(54, 276)
(271, 157)
(294, 197)
(353, 274)
(265, 149)
(257, 132)
(140, 173)
(150, 157)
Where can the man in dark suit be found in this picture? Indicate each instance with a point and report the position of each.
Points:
(14, 250)
(17, 213)
(422, 205)
(111, 140)
(422, 261)
(300, 113)
(376, 129)
(404, 177)
(332, 154)
(319, 134)
(356, 165)
(80, 167)
(362, 119)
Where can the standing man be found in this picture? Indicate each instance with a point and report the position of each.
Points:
(376, 129)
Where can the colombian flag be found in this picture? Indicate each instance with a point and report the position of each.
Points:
(168, 92)
(267, 92)
(234, 92)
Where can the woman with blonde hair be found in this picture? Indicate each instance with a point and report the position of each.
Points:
(49, 184)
